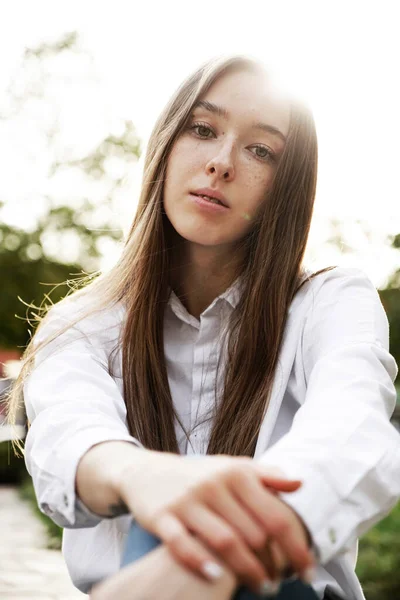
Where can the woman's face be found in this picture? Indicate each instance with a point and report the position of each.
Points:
(230, 146)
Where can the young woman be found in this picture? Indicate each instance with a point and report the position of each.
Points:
(234, 403)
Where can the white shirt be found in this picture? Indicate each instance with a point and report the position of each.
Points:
(327, 422)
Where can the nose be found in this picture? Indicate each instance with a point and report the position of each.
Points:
(221, 165)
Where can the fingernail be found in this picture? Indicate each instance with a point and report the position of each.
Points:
(269, 588)
(212, 570)
(309, 575)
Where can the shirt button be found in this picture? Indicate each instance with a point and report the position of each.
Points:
(46, 509)
(332, 535)
(65, 498)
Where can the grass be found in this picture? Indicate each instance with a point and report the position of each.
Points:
(378, 565)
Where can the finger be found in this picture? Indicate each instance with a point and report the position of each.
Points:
(279, 483)
(286, 530)
(226, 506)
(186, 549)
(277, 518)
(273, 559)
(275, 478)
(252, 494)
(222, 538)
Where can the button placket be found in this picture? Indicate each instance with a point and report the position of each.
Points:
(204, 366)
(332, 535)
(196, 384)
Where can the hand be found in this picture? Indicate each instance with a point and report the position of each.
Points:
(159, 575)
(222, 500)
(275, 561)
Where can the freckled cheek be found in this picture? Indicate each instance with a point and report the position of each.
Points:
(185, 161)
(256, 190)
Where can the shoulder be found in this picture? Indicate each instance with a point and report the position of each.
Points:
(343, 286)
(344, 302)
(332, 286)
(338, 287)
(80, 316)
(337, 278)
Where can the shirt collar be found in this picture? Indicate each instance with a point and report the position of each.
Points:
(231, 295)
(234, 292)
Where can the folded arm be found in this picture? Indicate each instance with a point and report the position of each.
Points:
(72, 404)
(341, 443)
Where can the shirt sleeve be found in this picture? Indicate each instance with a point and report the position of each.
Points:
(341, 443)
(72, 403)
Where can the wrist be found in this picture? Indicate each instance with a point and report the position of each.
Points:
(309, 538)
(125, 456)
(306, 532)
(131, 467)
(97, 473)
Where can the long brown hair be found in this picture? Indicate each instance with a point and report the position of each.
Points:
(272, 273)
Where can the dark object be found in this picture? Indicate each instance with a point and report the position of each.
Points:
(12, 468)
(330, 594)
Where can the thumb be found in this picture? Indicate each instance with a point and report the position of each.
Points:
(275, 478)
(282, 485)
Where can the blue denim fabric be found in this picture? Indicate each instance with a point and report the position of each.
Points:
(140, 542)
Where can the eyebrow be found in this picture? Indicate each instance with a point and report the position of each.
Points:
(222, 112)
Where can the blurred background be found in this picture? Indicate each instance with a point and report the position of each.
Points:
(81, 85)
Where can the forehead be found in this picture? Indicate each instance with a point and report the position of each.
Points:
(251, 96)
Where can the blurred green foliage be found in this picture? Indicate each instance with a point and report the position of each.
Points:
(390, 298)
(28, 280)
(26, 283)
(378, 565)
(12, 467)
(29, 271)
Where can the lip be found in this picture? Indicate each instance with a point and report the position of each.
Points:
(208, 206)
(213, 194)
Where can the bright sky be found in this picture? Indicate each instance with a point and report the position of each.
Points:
(342, 57)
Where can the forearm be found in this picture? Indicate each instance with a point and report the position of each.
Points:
(99, 472)
(159, 575)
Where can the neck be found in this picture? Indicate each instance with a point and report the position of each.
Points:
(199, 274)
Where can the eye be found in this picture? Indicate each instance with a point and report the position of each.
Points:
(202, 130)
(264, 153)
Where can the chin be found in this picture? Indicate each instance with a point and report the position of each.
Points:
(203, 234)
(203, 238)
